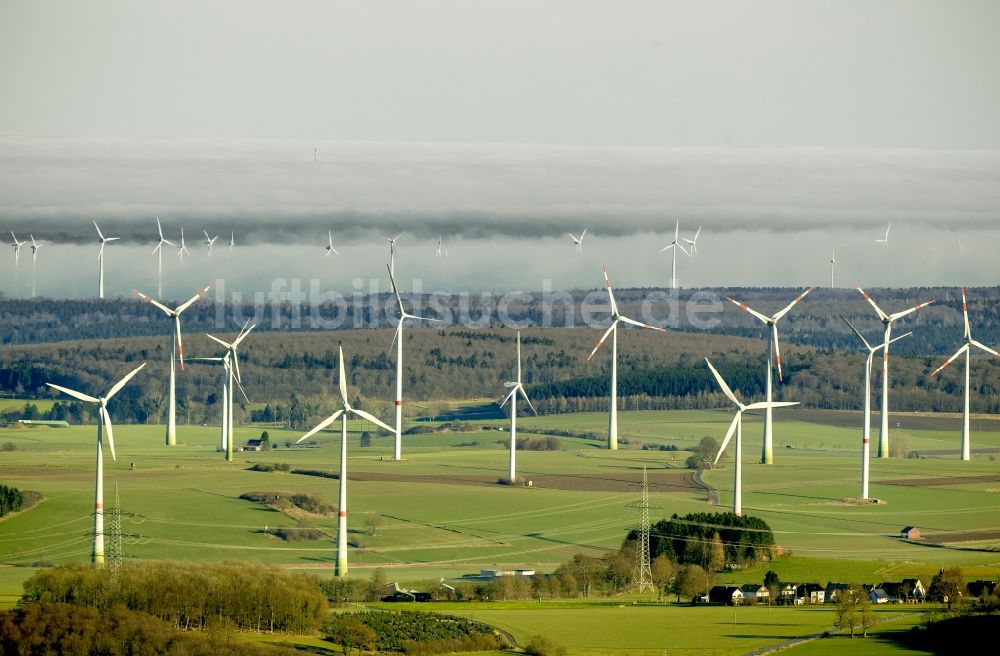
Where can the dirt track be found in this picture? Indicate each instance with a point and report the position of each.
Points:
(936, 481)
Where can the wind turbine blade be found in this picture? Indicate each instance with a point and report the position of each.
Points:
(99, 233)
(74, 393)
(242, 391)
(513, 391)
(194, 298)
(881, 315)
(965, 315)
(121, 383)
(216, 339)
(159, 228)
(527, 400)
(180, 340)
(244, 331)
(729, 435)
(395, 334)
(601, 341)
(323, 424)
(965, 347)
(342, 380)
(154, 302)
(640, 324)
(760, 405)
(677, 230)
(666, 248)
(722, 383)
(899, 315)
(895, 339)
(372, 418)
(573, 237)
(982, 346)
(112, 238)
(413, 316)
(860, 336)
(236, 366)
(106, 418)
(683, 250)
(788, 307)
(777, 349)
(611, 294)
(519, 357)
(749, 309)
(395, 291)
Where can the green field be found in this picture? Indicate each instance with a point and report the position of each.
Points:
(443, 514)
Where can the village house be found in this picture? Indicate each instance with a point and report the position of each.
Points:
(725, 594)
(910, 533)
(810, 593)
(754, 593)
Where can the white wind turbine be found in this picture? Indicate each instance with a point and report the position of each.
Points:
(17, 248)
(209, 242)
(613, 331)
(103, 424)
(226, 410)
(392, 252)
(737, 426)
(885, 240)
(235, 380)
(578, 240)
(887, 320)
(441, 250)
(158, 252)
(345, 410)
(100, 259)
(397, 337)
(176, 352)
(182, 249)
(773, 353)
(515, 386)
(329, 247)
(232, 240)
(34, 257)
(833, 261)
(866, 427)
(675, 245)
(693, 243)
(967, 350)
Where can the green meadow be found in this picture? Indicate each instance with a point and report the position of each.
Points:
(440, 513)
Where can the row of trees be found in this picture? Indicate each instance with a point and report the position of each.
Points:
(11, 499)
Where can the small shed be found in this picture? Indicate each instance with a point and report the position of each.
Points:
(910, 533)
(252, 445)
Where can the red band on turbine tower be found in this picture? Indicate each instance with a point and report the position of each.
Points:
(342, 513)
(399, 403)
(98, 506)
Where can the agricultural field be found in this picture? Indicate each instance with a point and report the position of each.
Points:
(440, 513)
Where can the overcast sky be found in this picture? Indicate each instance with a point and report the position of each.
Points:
(786, 128)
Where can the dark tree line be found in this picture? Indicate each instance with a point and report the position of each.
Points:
(690, 539)
(11, 499)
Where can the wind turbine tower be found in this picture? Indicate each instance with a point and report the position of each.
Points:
(515, 386)
(675, 245)
(103, 426)
(342, 414)
(100, 259)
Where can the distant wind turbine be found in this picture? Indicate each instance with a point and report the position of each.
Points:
(737, 426)
(182, 249)
(329, 247)
(232, 362)
(866, 427)
(103, 425)
(578, 240)
(34, 257)
(342, 414)
(17, 248)
(515, 386)
(441, 250)
(885, 240)
(158, 252)
(392, 252)
(967, 350)
(100, 259)
(887, 321)
(176, 353)
(209, 242)
(232, 240)
(397, 337)
(773, 353)
(833, 261)
(693, 243)
(617, 318)
(675, 245)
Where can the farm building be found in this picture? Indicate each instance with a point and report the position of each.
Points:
(252, 445)
(833, 589)
(725, 594)
(755, 594)
(910, 533)
(494, 574)
(810, 593)
(878, 596)
(397, 593)
(981, 588)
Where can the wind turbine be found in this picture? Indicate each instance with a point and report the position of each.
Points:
(329, 247)
(224, 361)
(613, 331)
(773, 353)
(232, 240)
(737, 425)
(345, 410)
(158, 252)
(182, 249)
(693, 243)
(885, 240)
(103, 424)
(515, 387)
(17, 248)
(833, 261)
(233, 374)
(578, 240)
(887, 320)
(176, 352)
(675, 245)
(441, 250)
(392, 252)
(397, 337)
(209, 241)
(34, 257)
(100, 259)
(866, 427)
(966, 349)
